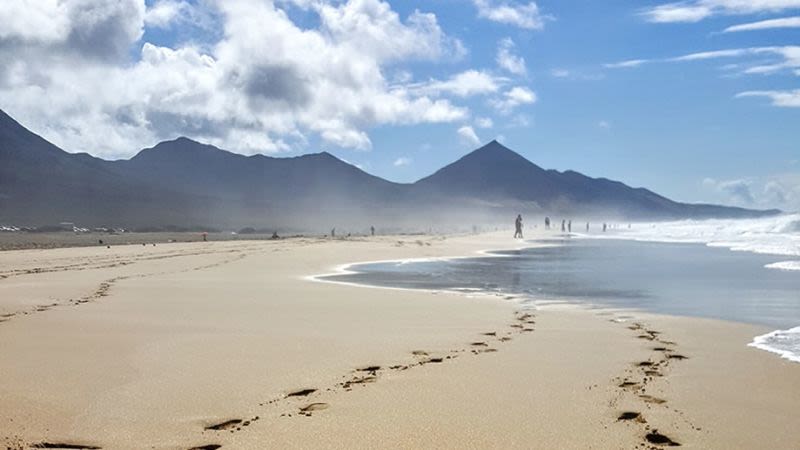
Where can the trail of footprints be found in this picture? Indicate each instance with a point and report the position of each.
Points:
(301, 402)
(104, 287)
(637, 381)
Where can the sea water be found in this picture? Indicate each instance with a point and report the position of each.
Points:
(693, 272)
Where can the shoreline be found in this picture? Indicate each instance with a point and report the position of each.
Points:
(194, 354)
(758, 339)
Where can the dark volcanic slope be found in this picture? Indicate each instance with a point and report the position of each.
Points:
(183, 182)
(497, 174)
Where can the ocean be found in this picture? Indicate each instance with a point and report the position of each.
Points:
(739, 270)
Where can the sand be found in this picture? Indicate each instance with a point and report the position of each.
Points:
(197, 345)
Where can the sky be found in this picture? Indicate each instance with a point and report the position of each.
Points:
(697, 100)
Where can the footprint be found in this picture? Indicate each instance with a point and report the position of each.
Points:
(226, 425)
(657, 438)
(479, 344)
(369, 369)
(419, 353)
(490, 333)
(651, 399)
(631, 415)
(61, 445)
(206, 447)
(312, 407)
(676, 356)
(301, 392)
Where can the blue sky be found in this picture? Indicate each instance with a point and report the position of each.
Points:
(697, 100)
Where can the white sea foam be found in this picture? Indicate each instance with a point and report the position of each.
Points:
(778, 235)
(783, 342)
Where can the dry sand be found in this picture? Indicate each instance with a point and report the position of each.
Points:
(227, 344)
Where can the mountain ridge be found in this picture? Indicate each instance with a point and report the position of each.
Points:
(183, 181)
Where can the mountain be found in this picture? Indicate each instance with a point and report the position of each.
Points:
(501, 176)
(184, 182)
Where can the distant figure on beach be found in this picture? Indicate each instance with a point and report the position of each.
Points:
(604, 227)
(372, 230)
(563, 225)
(518, 226)
(333, 232)
(587, 227)
(569, 226)
(546, 223)
(205, 236)
(100, 241)
(275, 235)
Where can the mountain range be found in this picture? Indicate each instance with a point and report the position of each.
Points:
(186, 183)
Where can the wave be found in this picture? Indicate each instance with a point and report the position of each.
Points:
(783, 342)
(778, 235)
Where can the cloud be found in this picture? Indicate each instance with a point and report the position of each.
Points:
(402, 161)
(785, 22)
(625, 64)
(484, 122)
(697, 10)
(464, 84)
(164, 12)
(786, 58)
(513, 98)
(507, 60)
(773, 191)
(522, 15)
(786, 99)
(467, 135)
(567, 74)
(78, 72)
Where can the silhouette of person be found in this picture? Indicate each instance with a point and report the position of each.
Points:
(546, 223)
(604, 227)
(372, 230)
(333, 232)
(569, 226)
(587, 227)
(563, 225)
(518, 226)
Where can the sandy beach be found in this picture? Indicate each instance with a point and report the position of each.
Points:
(230, 345)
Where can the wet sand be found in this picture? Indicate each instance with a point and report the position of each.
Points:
(199, 345)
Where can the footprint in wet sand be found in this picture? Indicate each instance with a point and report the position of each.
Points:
(301, 392)
(312, 407)
(631, 415)
(657, 438)
(207, 447)
(651, 399)
(226, 425)
(65, 446)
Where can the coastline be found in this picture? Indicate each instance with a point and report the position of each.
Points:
(190, 341)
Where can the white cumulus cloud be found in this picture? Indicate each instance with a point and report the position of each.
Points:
(468, 136)
(509, 61)
(78, 72)
(522, 15)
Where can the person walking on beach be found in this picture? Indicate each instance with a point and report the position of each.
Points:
(569, 226)
(604, 227)
(587, 227)
(518, 226)
(372, 230)
(563, 225)
(546, 223)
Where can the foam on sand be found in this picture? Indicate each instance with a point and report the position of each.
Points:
(783, 342)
